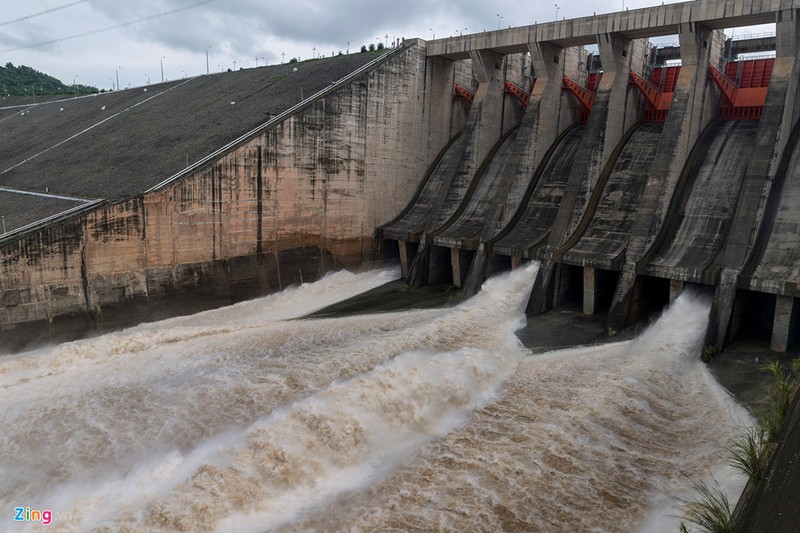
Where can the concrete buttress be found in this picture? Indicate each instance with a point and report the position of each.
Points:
(693, 107)
(615, 110)
(778, 117)
(545, 118)
(483, 128)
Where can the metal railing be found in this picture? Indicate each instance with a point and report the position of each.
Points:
(41, 223)
(752, 36)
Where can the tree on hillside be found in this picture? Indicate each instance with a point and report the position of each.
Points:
(22, 80)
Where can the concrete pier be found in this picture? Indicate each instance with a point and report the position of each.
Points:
(601, 136)
(675, 289)
(778, 118)
(781, 323)
(589, 290)
(692, 108)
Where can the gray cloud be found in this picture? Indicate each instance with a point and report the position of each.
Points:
(242, 30)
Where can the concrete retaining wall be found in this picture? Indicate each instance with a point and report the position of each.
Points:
(300, 198)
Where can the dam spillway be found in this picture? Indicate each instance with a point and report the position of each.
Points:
(703, 217)
(643, 209)
(540, 203)
(370, 148)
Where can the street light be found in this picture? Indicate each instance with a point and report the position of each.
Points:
(207, 49)
(118, 87)
(499, 20)
(557, 8)
(434, 33)
(348, 47)
(461, 32)
(162, 68)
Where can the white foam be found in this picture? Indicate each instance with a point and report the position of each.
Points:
(245, 419)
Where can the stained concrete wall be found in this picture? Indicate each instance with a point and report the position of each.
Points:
(293, 201)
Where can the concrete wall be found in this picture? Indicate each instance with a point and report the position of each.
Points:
(300, 198)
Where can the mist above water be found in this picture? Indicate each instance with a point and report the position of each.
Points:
(247, 419)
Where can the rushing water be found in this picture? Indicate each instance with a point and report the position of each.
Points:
(245, 419)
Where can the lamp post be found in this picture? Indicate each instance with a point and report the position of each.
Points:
(348, 47)
(433, 32)
(162, 68)
(118, 78)
(557, 8)
(207, 49)
(499, 20)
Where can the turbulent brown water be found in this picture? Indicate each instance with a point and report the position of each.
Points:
(246, 419)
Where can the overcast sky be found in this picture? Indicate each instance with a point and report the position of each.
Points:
(145, 34)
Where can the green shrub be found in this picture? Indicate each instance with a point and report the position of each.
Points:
(750, 452)
(709, 353)
(780, 398)
(709, 509)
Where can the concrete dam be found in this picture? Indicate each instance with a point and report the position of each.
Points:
(630, 171)
(576, 162)
(630, 174)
